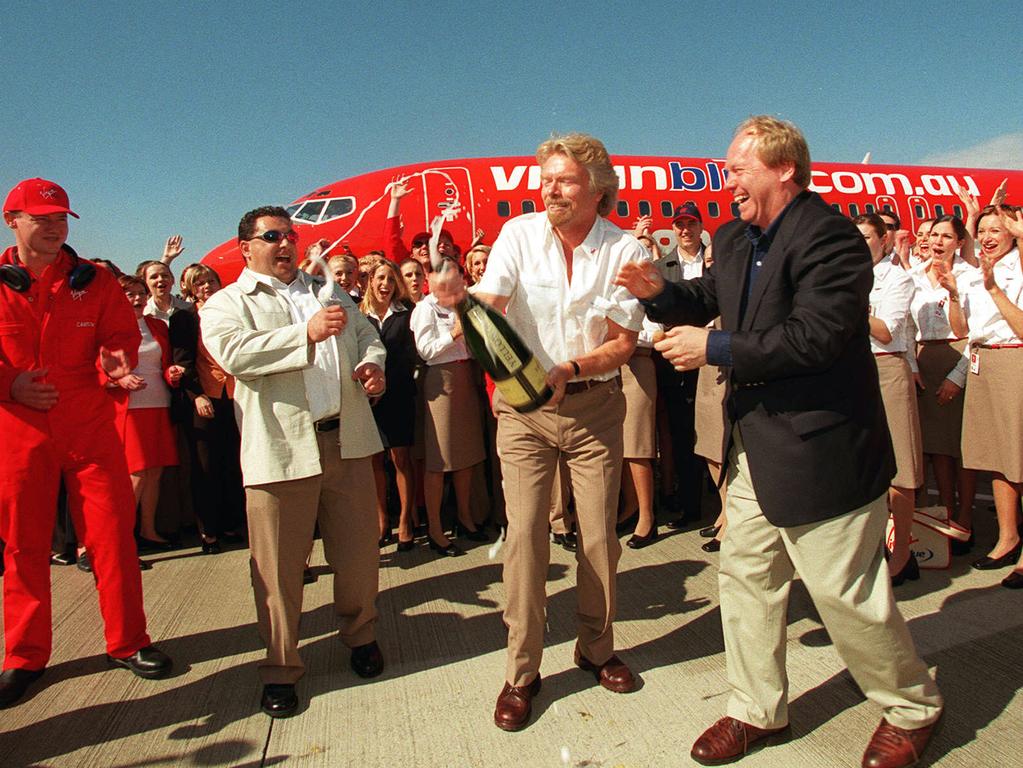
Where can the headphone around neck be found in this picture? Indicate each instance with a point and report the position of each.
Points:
(19, 279)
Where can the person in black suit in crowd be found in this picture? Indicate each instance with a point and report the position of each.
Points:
(808, 454)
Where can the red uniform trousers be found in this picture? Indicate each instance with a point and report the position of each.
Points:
(103, 511)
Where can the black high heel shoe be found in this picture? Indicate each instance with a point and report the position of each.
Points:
(406, 546)
(710, 531)
(638, 542)
(714, 545)
(451, 550)
(475, 535)
(910, 571)
(211, 547)
(990, 563)
(962, 547)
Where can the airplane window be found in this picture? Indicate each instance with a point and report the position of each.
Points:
(958, 210)
(735, 210)
(623, 208)
(667, 208)
(503, 209)
(342, 206)
(837, 207)
(939, 210)
(869, 208)
(713, 209)
(919, 211)
(292, 208)
(528, 206)
(854, 210)
(888, 208)
(644, 207)
(310, 211)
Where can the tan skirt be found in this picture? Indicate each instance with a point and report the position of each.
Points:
(899, 397)
(993, 414)
(710, 416)
(639, 383)
(454, 421)
(940, 425)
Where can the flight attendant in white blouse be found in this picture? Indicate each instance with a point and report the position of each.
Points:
(889, 313)
(943, 363)
(990, 308)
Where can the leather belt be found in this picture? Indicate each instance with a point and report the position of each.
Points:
(327, 425)
(939, 341)
(999, 346)
(888, 354)
(575, 387)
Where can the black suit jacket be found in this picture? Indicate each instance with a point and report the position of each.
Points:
(803, 386)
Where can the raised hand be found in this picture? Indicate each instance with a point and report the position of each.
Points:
(998, 196)
(642, 226)
(28, 388)
(399, 188)
(172, 249)
(1012, 220)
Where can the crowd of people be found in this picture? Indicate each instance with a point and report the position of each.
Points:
(644, 422)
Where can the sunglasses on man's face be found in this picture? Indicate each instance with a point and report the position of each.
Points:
(275, 236)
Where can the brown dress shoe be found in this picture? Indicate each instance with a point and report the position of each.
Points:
(729, 739)
(892, 747)
(515, 705)
(612, 674)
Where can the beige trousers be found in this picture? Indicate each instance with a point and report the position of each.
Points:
(584, 433)
(841, 564)
(282, 517)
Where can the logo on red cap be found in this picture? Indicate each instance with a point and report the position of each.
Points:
(38, 197)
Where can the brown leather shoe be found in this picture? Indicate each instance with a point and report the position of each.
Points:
(612, 674)
(729, 739)
(892, 747)
(515, 705)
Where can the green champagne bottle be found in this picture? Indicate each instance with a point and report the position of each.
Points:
(503, 355)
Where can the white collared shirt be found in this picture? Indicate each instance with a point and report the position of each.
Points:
(889, 302)
(929, 306)
(692, 266)
(431, 325)
(322, 379)
(987, 326)
(177, 304)
(558, 320)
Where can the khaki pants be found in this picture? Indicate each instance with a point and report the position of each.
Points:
(282, 517)
(841, 564)
(584, 433)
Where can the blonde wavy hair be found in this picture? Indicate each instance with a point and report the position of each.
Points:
(590, 153)
(779, 142)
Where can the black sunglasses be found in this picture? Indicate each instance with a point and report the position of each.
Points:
(275, 236)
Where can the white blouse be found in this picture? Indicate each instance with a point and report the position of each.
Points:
(987, 326)
(889, 302)
(431, 325)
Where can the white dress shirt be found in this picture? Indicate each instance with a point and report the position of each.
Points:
(322, 378)
(987, 326)
(557, 319)
(431, 325)
(929, 311)
(177, 304)
(889, 302)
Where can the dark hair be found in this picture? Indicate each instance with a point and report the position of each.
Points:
(892, 215)
(872, 220)
(410, 260)
(125, 280)
(140, 269)
(247, 226)
(109, 266)
(957, 223)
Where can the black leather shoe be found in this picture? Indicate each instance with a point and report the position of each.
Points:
(638, 542)
(678, 524)
(710, 531)
(279, 700)
(387, 538)
(991, 563)
(83, 563)
(714, 545)
(628, 524)
(961, 547)
(1013, 581)
(63, 558)
(211, 547)
(449, 551)
(14, 683)
(910, 571)
(149, 662)
(406, 546)
(568, 541)
(367, 660)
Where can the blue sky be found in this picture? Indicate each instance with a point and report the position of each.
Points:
(177, 117)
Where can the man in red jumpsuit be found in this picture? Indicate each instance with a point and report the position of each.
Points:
(65, 326)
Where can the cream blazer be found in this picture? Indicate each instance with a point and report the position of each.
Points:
(247, 328)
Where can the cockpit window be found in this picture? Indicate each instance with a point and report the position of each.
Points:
(340, 207)
(310, 211)
(292, 208)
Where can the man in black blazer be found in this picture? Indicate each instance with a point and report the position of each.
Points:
(808, 455)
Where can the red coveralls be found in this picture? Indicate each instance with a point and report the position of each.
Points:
(51, 326)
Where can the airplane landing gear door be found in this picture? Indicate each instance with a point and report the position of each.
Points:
(448, 191)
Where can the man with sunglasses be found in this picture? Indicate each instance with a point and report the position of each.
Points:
(306, 365)
(65, 329)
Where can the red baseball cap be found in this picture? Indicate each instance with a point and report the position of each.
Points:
(38, 197)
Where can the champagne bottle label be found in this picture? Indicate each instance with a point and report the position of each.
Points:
(495, 342)
(522, 390)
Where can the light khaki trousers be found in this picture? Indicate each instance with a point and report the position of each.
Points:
(584, 433)
(282, 517)
(841, 564)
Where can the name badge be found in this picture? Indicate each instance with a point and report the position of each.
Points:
(974, 361)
